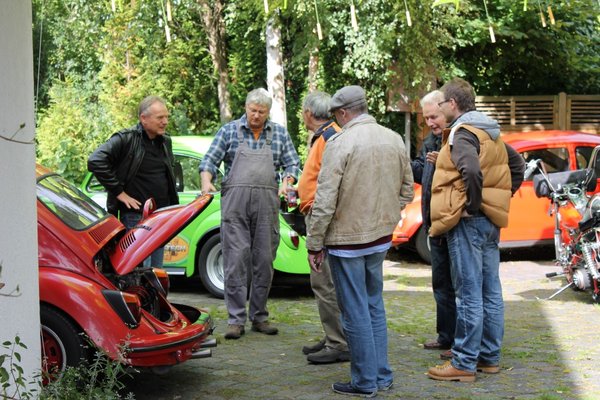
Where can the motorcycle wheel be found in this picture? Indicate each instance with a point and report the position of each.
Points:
(63, 344)
(210, 266)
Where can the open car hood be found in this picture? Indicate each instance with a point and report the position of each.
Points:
(156, 229)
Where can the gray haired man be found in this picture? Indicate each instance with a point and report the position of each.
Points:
(333, 347)
(254, 150)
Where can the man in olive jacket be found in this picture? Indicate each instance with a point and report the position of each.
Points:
(136, 164)
(364, 182)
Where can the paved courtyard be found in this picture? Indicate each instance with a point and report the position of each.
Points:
(550, 349)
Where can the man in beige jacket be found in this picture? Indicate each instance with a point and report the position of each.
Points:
(364, 183)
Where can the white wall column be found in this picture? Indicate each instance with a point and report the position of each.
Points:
(19, 312)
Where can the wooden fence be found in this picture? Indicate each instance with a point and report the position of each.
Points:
(529, 113)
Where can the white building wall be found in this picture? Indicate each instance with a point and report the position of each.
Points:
(19, 315)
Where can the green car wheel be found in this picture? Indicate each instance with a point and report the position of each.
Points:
(210, 266)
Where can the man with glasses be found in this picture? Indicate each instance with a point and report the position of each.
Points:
(476, 175)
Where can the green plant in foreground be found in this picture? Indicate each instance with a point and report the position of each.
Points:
(99, 380)
(13, 372)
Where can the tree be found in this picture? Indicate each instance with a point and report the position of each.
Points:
(215, 29)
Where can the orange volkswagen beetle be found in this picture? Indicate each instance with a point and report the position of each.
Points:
(529, 223)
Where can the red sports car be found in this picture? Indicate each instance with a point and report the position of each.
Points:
(529, 223)
(93, 287)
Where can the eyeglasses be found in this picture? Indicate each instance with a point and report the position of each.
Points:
(445, 101)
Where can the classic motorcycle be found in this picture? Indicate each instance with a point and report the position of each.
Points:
(576, 223)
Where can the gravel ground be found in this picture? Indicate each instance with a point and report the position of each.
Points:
(549, 351)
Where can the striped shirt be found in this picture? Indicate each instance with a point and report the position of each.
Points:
(225, 145)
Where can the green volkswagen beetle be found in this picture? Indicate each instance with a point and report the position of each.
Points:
(196, 251)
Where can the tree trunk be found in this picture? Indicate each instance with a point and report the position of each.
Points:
(212, 17)
(313, 69)
(275, 78)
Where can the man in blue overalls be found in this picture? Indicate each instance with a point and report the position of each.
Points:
(253, 150)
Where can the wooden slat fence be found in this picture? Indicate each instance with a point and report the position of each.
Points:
(527, 113)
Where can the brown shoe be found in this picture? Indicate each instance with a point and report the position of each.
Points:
(446, 355)
(264, 327)
(487, 368)
(447, 372)
(234, 331)
(435, 345)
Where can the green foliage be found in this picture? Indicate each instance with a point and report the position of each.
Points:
(96, 64)
(101, 380)
(13, 384)
(98, 380)
(71, 128)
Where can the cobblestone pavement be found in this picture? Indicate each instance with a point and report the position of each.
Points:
(550, 348)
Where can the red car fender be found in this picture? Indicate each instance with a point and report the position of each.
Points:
(84, 303)
(411, 220)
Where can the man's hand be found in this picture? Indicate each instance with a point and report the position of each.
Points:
(432, 156)
(315, 260)
(284, 185)
(129, 201)
(206, 185)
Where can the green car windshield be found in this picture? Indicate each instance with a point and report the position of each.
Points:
(67, 202)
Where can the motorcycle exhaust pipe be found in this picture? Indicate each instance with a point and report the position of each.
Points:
(554, 274)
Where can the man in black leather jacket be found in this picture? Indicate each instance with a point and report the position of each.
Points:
(136, 164)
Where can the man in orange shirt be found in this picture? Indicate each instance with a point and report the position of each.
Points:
(333, 347)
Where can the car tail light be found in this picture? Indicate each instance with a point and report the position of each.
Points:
(294, 239)
(163, 279)
(126, 305)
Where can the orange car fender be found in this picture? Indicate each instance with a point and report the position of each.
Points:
(411, 221)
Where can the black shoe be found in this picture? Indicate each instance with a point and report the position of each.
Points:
(328, 355)
(346, 388)
(386, 387)
(314, 348)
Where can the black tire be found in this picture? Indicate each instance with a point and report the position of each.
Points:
(210, 267)
(63, 343)
(422, 245)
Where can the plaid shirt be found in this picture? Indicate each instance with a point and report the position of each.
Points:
(225, 145)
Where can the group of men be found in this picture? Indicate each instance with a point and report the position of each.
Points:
(356, 180)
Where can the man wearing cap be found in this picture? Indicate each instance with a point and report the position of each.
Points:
(364, 183)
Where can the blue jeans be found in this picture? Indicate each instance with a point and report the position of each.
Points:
(130, 219)
(475, 262)
(443, 292)
(358, 284)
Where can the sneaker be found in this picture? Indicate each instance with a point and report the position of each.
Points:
(435, 345)
(487, 368)
(264, 327)
(385, 388)
(347, 388)
(446, 355)
(234, 331)
(447, 372)
(314, 348)
(328, 355)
